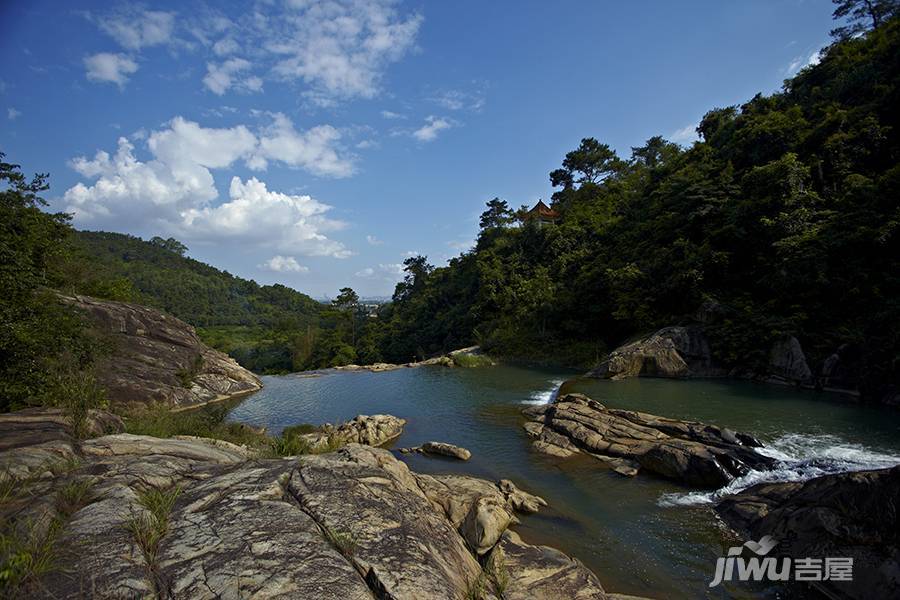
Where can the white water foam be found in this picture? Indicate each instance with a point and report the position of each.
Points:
(800, 457)
(545, 396)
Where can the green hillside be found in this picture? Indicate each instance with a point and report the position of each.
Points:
(260, 325)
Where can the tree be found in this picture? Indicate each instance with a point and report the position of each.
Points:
(42, 342)
(170, 244)
(498, 214)
(346, 300)
(417, 270)
(591, 161)
(860, 14)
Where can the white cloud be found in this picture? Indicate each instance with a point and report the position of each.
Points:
(135, 28)
(686, 135)
(225, 46)
(459, 100)
(313, 150)
(13, 114)
(387, 114)
(395, 269)
(340, 48)
(801, 62)
(220, 77)
(373, 241)
(284, 264)
(433, 126)
(129, 192)
(183, 143)
(386, 271)
(256, 215)
(110, 68)
(174, 190)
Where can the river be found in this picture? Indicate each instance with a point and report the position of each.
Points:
(642, 535)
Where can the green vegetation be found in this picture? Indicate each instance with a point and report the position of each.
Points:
(39, 337)
(784, 217)
(471, 360)
(343, 542)
(149, 527)
(206, 422)
(29, 548)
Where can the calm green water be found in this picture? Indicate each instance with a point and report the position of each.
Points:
(642, 536)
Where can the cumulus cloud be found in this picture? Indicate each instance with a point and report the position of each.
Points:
(283, 264)
(135, 28)
(12, 114)
(432, 127)
(255, 215)
(110, 68)
(340, 49)
(373, 241)
(174, 189)
(313, 150)
(220, 77)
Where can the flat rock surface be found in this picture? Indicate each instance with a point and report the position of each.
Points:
(694, 453)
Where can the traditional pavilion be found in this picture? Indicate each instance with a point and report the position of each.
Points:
(543, 214)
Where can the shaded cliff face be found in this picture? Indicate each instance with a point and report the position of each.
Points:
(157, 358)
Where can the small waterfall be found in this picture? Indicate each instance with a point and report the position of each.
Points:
(800, 457)
(545, 396)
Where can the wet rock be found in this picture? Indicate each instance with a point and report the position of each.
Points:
(844, 515)
(695, 453)
(160, 359)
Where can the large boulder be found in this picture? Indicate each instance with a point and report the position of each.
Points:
(787, 363)
(157, 358)
(694, 453)
(670, 352)
(845, 515)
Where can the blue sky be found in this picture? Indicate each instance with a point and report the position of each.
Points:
(317, 144)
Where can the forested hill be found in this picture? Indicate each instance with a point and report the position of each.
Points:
(785, 216)
(157, 273)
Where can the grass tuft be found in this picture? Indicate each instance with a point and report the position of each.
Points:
(344, 542)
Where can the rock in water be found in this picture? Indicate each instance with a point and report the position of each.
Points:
(159, 359)
(374, 430)
(670, 352)
(845, 515)
(442, 449)
(694, 453)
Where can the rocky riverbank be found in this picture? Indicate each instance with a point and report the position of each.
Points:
(693, 453)
(849, 515)
(122, 515)
(684, 352)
